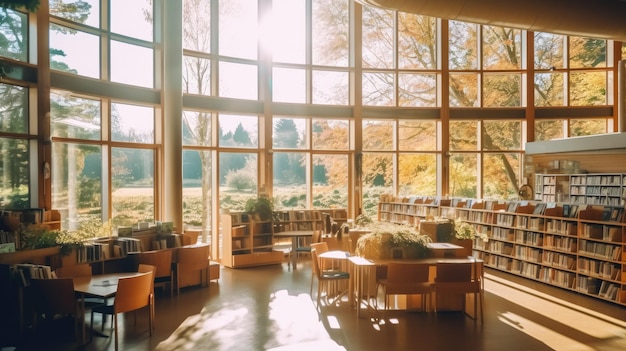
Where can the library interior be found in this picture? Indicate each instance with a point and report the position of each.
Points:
(303, 174)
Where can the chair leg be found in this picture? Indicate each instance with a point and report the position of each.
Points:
(114, 317)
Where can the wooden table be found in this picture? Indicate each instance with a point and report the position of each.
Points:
(362, 269)
(102, 286)
(294, 235)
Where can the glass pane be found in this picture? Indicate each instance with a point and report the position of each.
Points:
(197, 128)
(500, 176)
(79, 11)
(502, 90)
(132, 123)
(417, 135)
(587, 52)
(378, 89)
(74, 117)
(463, 46)
(377, 180)
(15, 170)
(196, 75)
(580, 127)
(464, 90)
(330, 134)
(330, 88)
(549, 89)
(14, 34)
(330, 181)
(502, 135)
(549, 130)
(549, 50)
(197, 25)
(463, 175)
(502, 48)
(290, 180)
(77, 183)
(238, 131)
(463, 136)
(74, 52)
(238, 179)
(378, 33)
(132, 186)
(197, 189)
(238, 28)
(288, 40)
(138, 71)
(417, 41)
(132, 18)
(331, 32)
(378, 135)
(289, 85)
(588, 88)
(289, 133)
(417, 174)
(13, 109)
(417, 90)
(238, 81)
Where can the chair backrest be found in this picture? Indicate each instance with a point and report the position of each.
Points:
(407, 272)
(315, 262)
(454, 272)
(316, 237)
(194, 257)
(54, 296)
(161, 259)
(133, 292)
(75, 270)
(321, 247)
(147, 268)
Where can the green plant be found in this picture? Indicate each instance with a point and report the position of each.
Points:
(464, 230)
(385, 236)
(262, 206)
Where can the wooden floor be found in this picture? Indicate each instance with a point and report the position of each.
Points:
(269, 308)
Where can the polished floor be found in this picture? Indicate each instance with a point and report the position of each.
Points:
(269, 308)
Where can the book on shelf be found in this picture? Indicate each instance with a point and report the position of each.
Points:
(539, 208)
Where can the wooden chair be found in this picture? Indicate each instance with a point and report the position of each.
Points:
(460, 278)
(324, 277)
(133, 293)
(407, 279)
(304, 247)
(162, 260)
(192, 260)
(54, 298)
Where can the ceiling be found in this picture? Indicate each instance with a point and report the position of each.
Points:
(603, 19)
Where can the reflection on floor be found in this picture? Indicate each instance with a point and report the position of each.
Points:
(269, 308)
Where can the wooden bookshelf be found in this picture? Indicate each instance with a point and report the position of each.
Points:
(577, 247)
(247, 242)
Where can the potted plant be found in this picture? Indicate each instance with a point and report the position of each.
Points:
(260, 208)
(388, 240)
(464, 234)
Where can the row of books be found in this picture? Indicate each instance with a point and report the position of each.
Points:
(23, 272)
(102, 250)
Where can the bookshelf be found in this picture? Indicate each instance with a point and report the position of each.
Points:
(608, 189)
(248, 242)
(298, 220)
(578, 247)
(409, 210)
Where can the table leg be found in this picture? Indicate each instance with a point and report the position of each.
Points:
(294, 252)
